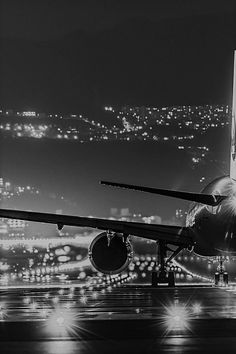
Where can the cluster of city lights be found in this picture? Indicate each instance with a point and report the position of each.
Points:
(8, 191)
(20, 229)
(143, 123)
(196, 117)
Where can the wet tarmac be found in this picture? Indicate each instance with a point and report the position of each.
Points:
(117, 317)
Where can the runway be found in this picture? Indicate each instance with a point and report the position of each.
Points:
(117, 315)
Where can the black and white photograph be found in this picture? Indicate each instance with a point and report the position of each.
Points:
(117, 176)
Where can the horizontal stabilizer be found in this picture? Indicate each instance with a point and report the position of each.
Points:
(207, 199)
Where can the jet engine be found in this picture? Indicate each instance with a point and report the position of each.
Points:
(110, 254)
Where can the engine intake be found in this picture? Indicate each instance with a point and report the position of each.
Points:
(110, 256)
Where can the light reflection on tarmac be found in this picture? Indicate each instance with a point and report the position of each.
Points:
(87, 317)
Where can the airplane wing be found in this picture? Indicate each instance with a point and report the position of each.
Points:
(208, 199)
(175, 235)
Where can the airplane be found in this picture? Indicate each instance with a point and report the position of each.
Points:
(210, 229)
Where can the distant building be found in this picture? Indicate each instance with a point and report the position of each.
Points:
(125, 214)
(17, 228)
(114, 212)
(3, 228)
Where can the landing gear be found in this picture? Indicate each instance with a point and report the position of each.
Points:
(225, 278)
(217, 278)
(221, 277)
(163, 276)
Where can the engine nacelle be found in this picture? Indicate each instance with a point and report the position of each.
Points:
(110, 254)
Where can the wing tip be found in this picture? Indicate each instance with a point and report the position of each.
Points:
(107, 183)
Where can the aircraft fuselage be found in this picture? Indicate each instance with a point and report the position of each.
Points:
(214, 228)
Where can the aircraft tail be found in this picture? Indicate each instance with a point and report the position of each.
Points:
(233, 127)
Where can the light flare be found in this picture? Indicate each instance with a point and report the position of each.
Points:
(55, 300)
(176, 318)
(196, 308)
(94, 295)
(62, 322)
(84, 300)
(33, 306)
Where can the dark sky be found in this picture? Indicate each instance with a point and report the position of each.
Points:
(48, 19)
(80, 55)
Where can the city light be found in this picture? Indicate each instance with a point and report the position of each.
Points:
(140, 123)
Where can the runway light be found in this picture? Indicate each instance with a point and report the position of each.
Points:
(55, 300)
(94, 295)
(26, 300)
(33, 306)
(62, 322)
(196, 308)
(176, 318)
(44, 312)
(83, 299)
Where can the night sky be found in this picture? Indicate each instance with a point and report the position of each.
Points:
(77, 56)
(51, 19)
